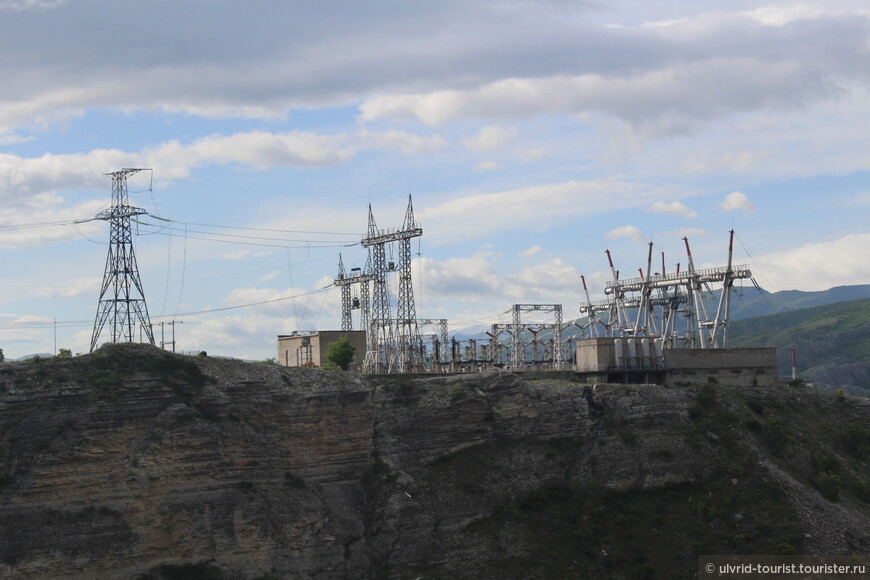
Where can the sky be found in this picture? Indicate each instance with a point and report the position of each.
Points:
(531, 135)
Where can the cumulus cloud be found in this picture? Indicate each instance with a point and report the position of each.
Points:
(467, 279)
(46, 218)
(535, 207)
(487, 166)
(815, 266)
(631, 232)
(22, 5)
(553, 280)
(74, 287)
(468, 63)
(21, 178)
(689, 232)
(531, 251)
(673, 208)
(491, 137)
(737, 200)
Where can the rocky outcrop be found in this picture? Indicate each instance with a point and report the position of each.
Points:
(134, 463)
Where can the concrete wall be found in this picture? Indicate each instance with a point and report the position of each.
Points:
(733, 366)
(595, 354)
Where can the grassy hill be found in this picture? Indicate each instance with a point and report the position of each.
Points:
(832, 342)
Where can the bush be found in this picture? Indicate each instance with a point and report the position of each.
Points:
(341, 353)
(829, 485)
(855, 439)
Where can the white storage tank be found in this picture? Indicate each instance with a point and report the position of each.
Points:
(617, 350)
(632, 352)
(644, 349)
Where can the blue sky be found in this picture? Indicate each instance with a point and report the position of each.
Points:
(533, 135)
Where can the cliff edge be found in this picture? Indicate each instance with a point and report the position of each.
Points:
(132, 462)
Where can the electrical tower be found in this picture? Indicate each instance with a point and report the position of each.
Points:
(382, 352)
(122, 300)
(407, 331)
(350, 301)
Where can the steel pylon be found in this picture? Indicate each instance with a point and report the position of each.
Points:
(122, 301)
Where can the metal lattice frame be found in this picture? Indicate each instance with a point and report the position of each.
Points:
(122, 301)
(382, 352)
(407, 330)
(342, 282)
(518, 354)
(346, 282)
(379, 333)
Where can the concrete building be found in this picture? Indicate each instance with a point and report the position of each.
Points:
(644, 360)
(308, 349)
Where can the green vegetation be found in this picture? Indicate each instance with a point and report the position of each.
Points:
(855, 440)
(340, 353)
(592, 531)
(832, 342)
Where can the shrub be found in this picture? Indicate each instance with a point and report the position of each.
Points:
(341, 353)
(829, 485)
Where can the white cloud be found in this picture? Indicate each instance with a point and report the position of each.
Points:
(39, 219)
(535, 207)
(815, 266)
(487, 166)
(737, 200)
(630, 232)
(22, 5)
(663, 97)
(708, 160)
(673, 208)
(552, 281)
(23, 177)
(689, 232)
(467, 279)
(240, 255)
(491, 137)
(531, 251)
(401, 142)
(74, 287)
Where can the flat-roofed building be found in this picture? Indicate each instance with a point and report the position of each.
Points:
(308, 349)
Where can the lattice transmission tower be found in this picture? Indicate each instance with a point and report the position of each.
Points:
(393, 345)
(407, 331)
(350, 301)
(122, 300)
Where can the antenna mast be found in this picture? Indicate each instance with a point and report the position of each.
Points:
(122, 300)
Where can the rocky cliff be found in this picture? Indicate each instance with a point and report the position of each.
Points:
(135, 463)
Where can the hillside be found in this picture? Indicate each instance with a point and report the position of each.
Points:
(751, 302)
(832, 342)
(132, 462)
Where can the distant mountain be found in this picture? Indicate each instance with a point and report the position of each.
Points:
(832, 341)
(30, 356)
(751, 302)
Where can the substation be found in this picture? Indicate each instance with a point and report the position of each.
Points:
(658, 327)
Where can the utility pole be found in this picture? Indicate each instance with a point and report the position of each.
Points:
(122, 300)
(171, 323)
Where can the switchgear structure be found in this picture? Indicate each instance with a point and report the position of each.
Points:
(393, 345)
(349, 302)
(122, 301)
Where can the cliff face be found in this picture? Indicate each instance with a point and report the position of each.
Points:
(134, 463)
